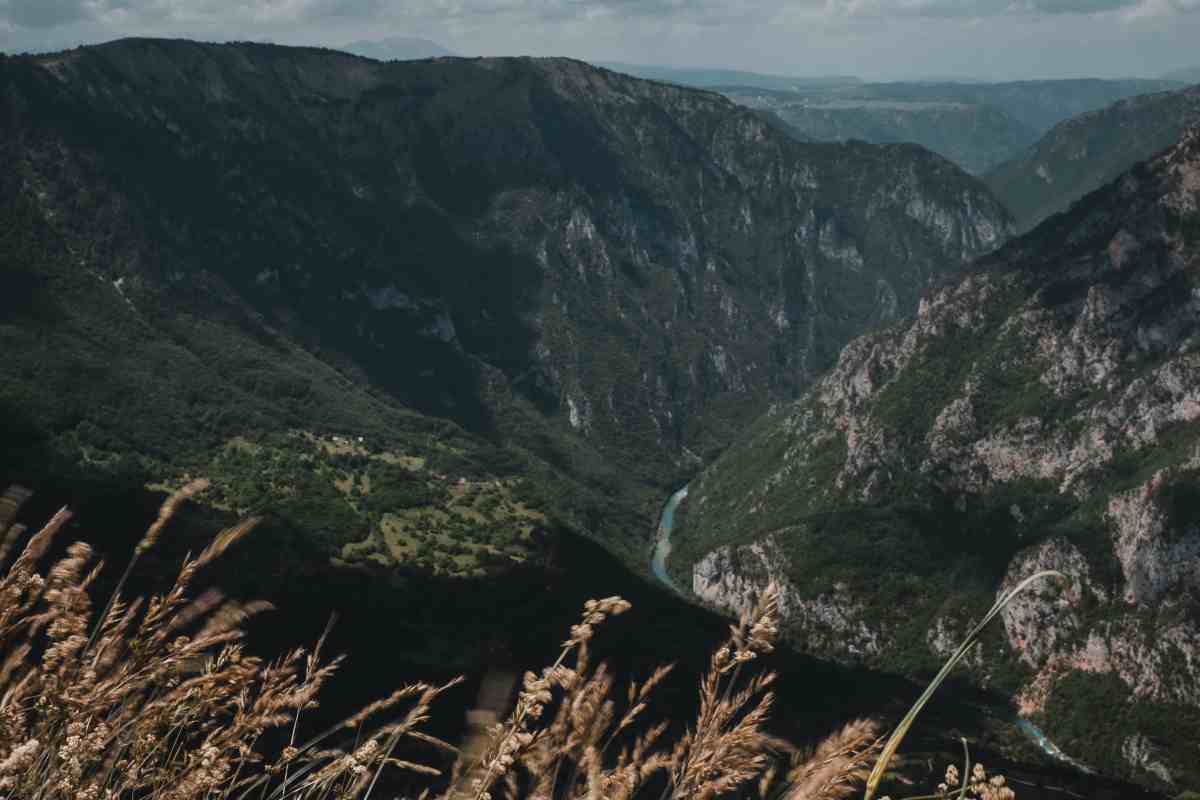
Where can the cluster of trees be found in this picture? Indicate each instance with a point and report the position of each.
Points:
(1097, 713)
(394, 488)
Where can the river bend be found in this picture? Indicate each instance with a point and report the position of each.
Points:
(658, 565)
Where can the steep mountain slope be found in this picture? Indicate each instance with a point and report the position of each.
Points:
(976, 137)
(598, 277)
(1088, 151)
(1042, 412)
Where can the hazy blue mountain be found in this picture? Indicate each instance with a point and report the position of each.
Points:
(1187, 74)
(1087, 151)
(1037, 104)
(974, 136)
(707, 78)
(976, 125)
(397, 48)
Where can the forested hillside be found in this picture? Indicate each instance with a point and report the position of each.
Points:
(532, 291)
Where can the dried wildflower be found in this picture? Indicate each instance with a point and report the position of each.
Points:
(835, 766)
(20, 757)
(728, 746)
(980, 785)
(126, 707)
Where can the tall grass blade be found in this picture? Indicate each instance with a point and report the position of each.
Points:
(897, 736)
(965, 780)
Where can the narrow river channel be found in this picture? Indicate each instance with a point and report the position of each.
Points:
(658, 564)
(662, 542)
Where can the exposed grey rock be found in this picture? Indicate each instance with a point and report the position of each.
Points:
(1043, 412)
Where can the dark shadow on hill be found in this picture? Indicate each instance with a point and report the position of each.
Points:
(397, 627)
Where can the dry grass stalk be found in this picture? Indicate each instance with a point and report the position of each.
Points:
(511, 741)
(729, 747)
(835, 767)
(160, 701)
(156, 700)
(10, 504)
(578, 738)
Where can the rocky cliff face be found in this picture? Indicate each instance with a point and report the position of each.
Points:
(1041, 413)
(608, 272)
(1083, 153)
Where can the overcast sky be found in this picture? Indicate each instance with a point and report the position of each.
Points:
(874, 39)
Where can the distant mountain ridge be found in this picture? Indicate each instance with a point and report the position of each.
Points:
(976, 137)
(709, 78)
(1085, 152)
(1187, 74)
(1038, 104)
(976, 125)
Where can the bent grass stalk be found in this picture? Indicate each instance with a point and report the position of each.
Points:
(897, 736)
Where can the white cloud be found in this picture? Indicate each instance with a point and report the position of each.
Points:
(976, 9)
(873, 38)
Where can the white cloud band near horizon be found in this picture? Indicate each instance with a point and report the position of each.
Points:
(875, 39)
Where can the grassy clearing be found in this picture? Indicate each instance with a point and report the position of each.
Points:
(480, 524)
(377, 506)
